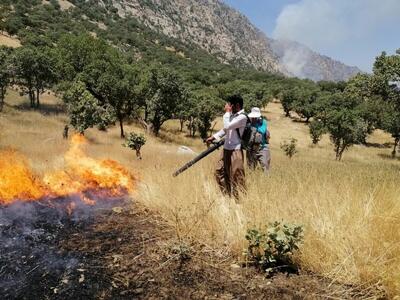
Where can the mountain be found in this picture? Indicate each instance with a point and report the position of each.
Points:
(300, 61)
(187, 32)
(230, 36)
(210, 24)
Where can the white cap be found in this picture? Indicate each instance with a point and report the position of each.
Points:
(255, 113)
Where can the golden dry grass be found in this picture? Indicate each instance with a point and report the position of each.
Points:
(350, 209)
(8, 41)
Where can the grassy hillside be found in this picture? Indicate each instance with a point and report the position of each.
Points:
(350, 209)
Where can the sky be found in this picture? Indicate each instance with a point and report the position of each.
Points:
(351, 31)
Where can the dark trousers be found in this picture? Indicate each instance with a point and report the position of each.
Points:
(229, 173)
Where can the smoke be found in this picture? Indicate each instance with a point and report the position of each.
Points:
(293, 56)
(317, 23)
(337, 26)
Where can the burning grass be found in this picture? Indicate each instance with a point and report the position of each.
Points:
(81, 176)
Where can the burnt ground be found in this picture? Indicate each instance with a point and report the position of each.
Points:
(128, 253)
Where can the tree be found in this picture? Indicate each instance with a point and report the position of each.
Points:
(207, 108)
(135, 142)
(359, 90)
(345, 124)
(105, 72)
(86, 111)
(34, 71)
(305, 102)
(186, 111)
(254, 93)
(386, 84)
(164, 90)
(5, 73)
(287, 98)
(317, 129)
(391, 124)
(113, 82)
(76, 53)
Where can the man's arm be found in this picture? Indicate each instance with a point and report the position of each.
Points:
(238, 122)
(226, 119)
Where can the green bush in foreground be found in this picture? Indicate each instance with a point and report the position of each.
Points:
(272, 250)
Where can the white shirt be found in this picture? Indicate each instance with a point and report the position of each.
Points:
(231, 123)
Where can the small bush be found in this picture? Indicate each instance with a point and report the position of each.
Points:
(272, 250)
(289, 147)
(317, 129)
(135, 142)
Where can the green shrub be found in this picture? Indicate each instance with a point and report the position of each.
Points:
(289, 147)
(135, 142)
(272, 250)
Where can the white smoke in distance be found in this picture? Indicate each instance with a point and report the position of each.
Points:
(322, 24)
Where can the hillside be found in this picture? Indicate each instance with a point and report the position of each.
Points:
(228, 35)
(187, 32)
(211, 25)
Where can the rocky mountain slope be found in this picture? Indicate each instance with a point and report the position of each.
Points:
(229, 35)
(210, 24)
(188, 28)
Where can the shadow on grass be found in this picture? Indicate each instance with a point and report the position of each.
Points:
(389, 157)
(181, 138)
(45, 109)
(302, 121)
(378, 145)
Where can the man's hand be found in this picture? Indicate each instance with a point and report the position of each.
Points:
(210, 140)
(228, 107)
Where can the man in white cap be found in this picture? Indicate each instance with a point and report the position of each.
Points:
(258, 152)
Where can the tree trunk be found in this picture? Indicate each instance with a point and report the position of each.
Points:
(396, 142)
(337, 151)
(2, 95)
(182, 122)
(121, 126)
(32, 98)
(144, 124)
(37, 98)
(146, 114)
(341, 151)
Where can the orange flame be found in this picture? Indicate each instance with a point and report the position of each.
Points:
(16, 180)
(81, 174)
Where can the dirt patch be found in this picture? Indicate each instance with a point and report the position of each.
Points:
(64, 4)
(9, 41)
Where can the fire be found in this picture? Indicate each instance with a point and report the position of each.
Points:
(16, 180)
(82, 175)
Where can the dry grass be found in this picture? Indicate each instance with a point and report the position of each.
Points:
(350, 209)
(8, 41)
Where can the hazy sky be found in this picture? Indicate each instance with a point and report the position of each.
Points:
(352, 31)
